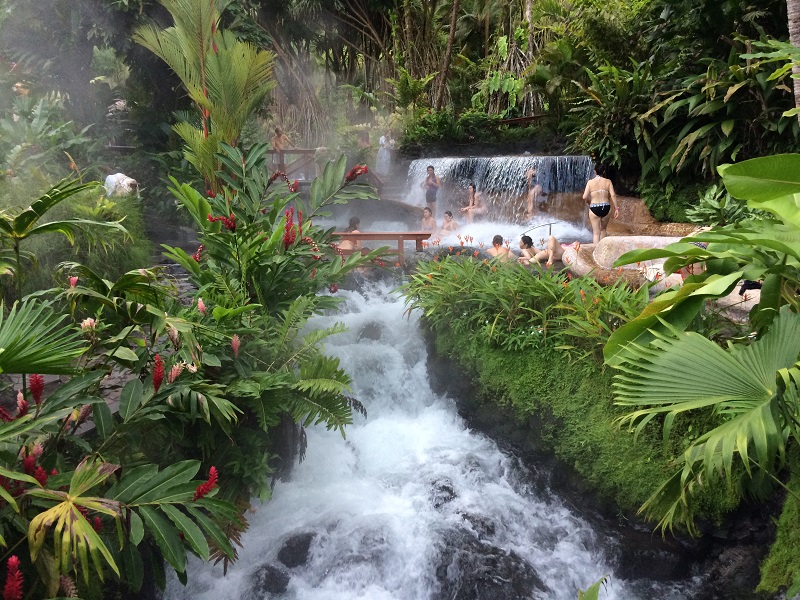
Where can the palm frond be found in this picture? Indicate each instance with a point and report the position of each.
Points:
(34, 339)
(752, 388)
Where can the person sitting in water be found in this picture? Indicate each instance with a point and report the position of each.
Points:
(449, 224)
(553, 251)
(599, 196)
(476, 206)
(355, 222)
(534, 191)
(428, 222)
(498, 250)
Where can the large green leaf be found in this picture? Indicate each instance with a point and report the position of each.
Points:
(683, 372)
(770, 183)
(676, 309)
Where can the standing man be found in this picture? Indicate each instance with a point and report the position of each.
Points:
(431, 186)
(280, 141)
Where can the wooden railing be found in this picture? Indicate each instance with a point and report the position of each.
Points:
(297, 163)
(398, 236)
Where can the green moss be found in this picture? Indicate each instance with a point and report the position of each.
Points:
(573, 401)
(781, 568)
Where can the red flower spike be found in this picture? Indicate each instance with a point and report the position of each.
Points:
(235, 343)
(158, 372)
(355, 172)
(205, 488)
(14, 581)
(29, 464)
(333, 288)
(22, 406)
(73, 281)
(40, 475)
(97, 524)
(36, 385)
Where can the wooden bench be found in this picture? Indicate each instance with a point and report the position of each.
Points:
(399, 236)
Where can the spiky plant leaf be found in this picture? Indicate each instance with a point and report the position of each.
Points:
(34, 339)
(752, 388)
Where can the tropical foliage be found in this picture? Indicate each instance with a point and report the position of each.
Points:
(752, 385)
(226, 78)
(515, 308)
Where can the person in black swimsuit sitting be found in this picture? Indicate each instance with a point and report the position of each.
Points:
(599, 195)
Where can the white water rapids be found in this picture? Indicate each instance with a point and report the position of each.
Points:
(386, 503)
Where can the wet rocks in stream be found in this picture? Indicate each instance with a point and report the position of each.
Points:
(294, 552)
(442, 492)
(268, 579)
(470, 569)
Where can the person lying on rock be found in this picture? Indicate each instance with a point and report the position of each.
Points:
(553, 250)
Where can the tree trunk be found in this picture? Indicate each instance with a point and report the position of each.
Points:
(793, 10)
(529, 19)
(451, 36)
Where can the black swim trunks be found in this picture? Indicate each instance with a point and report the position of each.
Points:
(601, 210)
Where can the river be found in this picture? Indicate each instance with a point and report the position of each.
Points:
(413, 504)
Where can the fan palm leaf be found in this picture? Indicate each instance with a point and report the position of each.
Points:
(34, 339)
(753, 390)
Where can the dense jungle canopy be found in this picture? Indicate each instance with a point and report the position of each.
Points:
(663, 90)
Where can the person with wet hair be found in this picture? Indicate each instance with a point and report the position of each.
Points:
(352, 227)
(600, 197)
(476, 205)
(428, 222)
(553, 251)
(431, 185)
(449, 224)
(498, 250)
(534, 191)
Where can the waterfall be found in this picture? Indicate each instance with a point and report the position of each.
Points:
(502, 180)
(412, 505)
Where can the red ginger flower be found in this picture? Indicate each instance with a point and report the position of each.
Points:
(205, 488)
(36, 385)
(289, 232)
(196, 255)
(13, 587)
(158, 372)
(353, 173)
(294, 186)
(22, 406)
(40, 475)
(73, 281)
(29, 464)
(97, 524)
(235, 343)
(5, 416)
(201, 306)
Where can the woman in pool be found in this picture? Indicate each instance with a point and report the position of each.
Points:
(600, 197)
(476, 205)
(428, 222)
